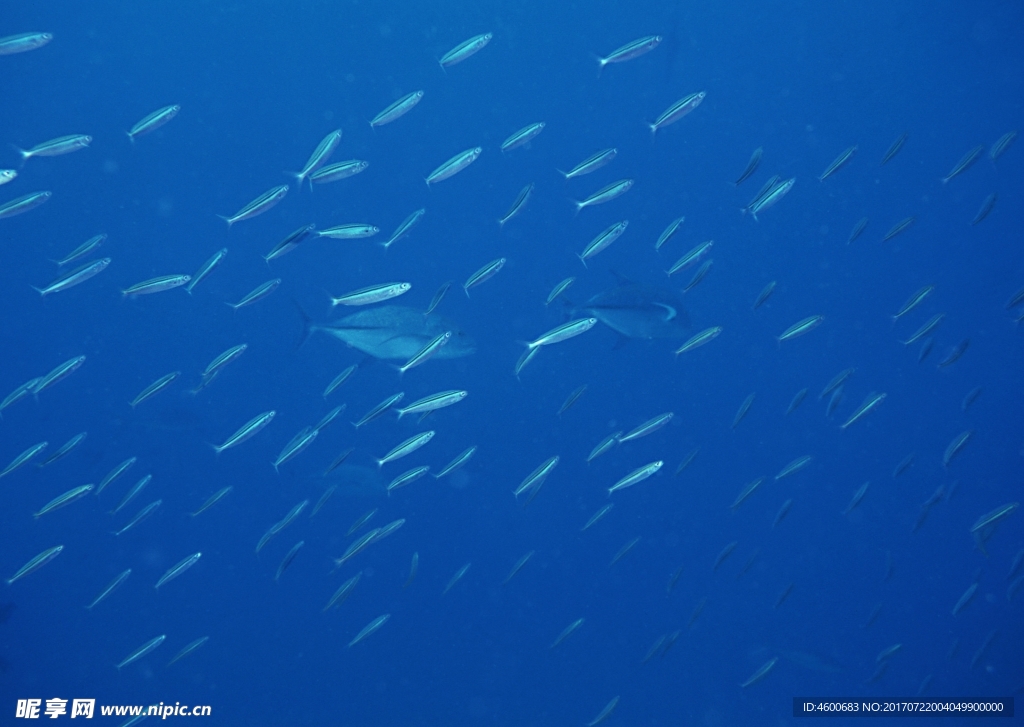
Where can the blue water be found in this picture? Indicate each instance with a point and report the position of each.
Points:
(259, 85)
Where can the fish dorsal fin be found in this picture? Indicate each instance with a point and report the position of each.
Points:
(670, 312)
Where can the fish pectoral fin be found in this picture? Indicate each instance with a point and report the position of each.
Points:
(670, 312)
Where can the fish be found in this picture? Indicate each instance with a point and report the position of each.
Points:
(433, 402)
(900, 227)
(602, 241)
(456, 463)
(604, 445)
(343, 592)
(669, 232)
(517, 567)
(207, 268)
(604, 713)
(36, 563)
(337, 172)
(752, 165)
(966, 598)
(955, 446)
(323, 500)
(369, 629)
(7, 175)
(840, 161)
(699, 339)
(140, 516)
(764, 295)
(894, 149)
(256, 295)
(930, 325)
(407, 447)
(637, 310)
(517, 206)
(454, 165)
(379, 409)
(155, 285)
(295, 446)
(456, 578)
(372, 294)
(335, 464)
(56, 147)
(23, 204)
(142, 651)
(23, 42)
(188, 649)
(155, 388)
(522, 137)
(403, 229)
(857, 230)
(339, 380)
(986, 207)
(1002, 144)
(590, 164)
(484, 274)
(404, 479)
(648, 427)
(965, 162)
(82, 250)
(396, 333)
(320, 155)
(742, 411)
(427, 352)
(837, 381)
(955, 353)
(58, 374)
(858, 496)
(746, 492)
(800, 328)
(633, 49)
(770, 198)
(111, 588)
(795, 466)
(872, 401)
(397, 110)
(24, 457)
(559, 289)
(761, 673)
(75, 277)
(288, 558)
(288, 244)
(64, 499)
(676, 111)
(258, 206)
(178, 569)
(567, 632)
(353, 231)
(571, 400)
(115, 473)
(135, 490)
(465, 49)
(597, 516)
(153, 121)
(687, 461)
(606, 194)
(698, 276)
(536, 478)
(564, 332)
(247, 431)
(913, 301)
(636, 476)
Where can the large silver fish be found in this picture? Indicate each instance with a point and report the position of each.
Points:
(396, 333)
(636, 310)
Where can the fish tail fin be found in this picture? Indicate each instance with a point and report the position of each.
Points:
(227, 219)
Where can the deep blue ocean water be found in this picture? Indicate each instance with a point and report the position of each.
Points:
(260, 84)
